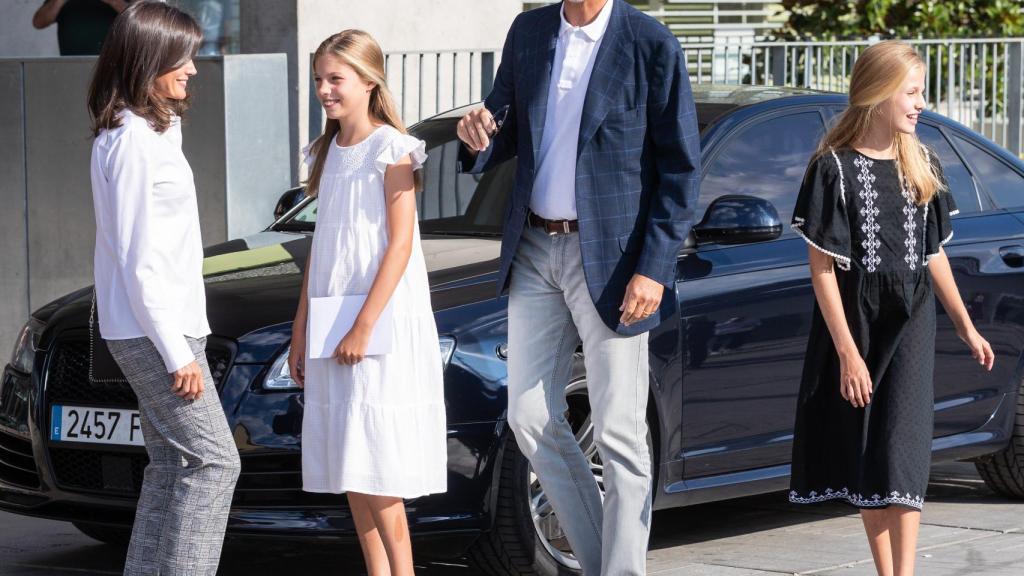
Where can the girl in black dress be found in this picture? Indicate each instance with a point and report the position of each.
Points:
(875, 210)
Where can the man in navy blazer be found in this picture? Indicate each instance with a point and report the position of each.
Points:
(593, 99)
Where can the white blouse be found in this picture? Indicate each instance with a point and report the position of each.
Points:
(149, 252)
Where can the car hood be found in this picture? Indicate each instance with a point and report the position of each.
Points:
(253, 283)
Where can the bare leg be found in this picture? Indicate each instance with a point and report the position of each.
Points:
(877, 528)
(374, 553)
(903, 527)
(389, 517)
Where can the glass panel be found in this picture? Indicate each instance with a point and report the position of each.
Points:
(1004, 184)
(219, 20)
(767, 160)
(959, 179)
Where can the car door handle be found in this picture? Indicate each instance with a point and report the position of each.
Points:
(1013, 256)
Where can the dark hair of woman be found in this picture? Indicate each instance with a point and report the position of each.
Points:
(147, 40)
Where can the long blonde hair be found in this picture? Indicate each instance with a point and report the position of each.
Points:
(877, 75)
(360, 51)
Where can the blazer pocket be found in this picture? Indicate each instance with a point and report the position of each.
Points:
(630, 244)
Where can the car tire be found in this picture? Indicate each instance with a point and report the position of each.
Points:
(1003, 471)
(113, 535)
(514, 547)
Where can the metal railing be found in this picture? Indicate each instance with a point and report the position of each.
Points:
(977, 82)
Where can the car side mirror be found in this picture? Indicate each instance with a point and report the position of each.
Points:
(738, 219)
(288, 200)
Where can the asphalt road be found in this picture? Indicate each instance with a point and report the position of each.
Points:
(967, 530)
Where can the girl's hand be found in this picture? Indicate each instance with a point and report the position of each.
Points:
(297, 359)
(980, 348)
(854, 380)
(352, 348)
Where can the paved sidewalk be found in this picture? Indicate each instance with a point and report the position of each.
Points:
(967, 531)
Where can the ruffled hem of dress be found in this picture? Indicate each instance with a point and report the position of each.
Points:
(406, 495)
(875, 501)
(843, 262)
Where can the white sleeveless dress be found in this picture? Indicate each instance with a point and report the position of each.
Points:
(377, 427)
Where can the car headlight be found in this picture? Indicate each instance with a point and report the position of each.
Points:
(25, 347)
(280, 378)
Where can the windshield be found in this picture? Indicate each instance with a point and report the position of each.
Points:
(450, 203)
(458, 204)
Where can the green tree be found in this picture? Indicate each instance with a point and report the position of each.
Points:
(844, 19)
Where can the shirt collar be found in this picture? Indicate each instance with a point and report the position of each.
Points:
(593, 31)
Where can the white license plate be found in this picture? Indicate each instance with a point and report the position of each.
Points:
(97, 425)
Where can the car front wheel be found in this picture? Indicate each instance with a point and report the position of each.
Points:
(1003, 471)
(527, 538)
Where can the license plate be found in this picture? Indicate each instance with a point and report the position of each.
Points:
(96, 425)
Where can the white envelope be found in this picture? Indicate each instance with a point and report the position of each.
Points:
(330, 319)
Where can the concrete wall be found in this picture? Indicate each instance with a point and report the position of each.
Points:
(235, 137)
(18, 39)
(298, 26)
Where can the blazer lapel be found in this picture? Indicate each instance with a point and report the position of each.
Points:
(545, 40)
(613, 57)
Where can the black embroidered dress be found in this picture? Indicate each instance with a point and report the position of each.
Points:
(853, 208)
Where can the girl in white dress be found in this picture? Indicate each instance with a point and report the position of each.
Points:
(373, 426)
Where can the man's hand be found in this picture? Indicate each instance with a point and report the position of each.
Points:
(476, 128)
(188, 381)
(643, 297)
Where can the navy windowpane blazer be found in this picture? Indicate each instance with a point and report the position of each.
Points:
(638, 157)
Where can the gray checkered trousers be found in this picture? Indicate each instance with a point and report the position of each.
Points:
(193, 466)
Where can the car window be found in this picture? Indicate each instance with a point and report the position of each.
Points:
(767, 159)
(1004, 184)
(968, 198)
(449, 202)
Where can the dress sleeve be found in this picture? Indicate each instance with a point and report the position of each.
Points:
(941, 209)
(308, 158)
(399, 146)
(820, 215)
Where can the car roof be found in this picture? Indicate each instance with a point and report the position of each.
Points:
(712, 100)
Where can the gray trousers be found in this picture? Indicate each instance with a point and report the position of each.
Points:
(550, 313)
(193, 466)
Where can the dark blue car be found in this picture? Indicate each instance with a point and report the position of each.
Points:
(724, 371)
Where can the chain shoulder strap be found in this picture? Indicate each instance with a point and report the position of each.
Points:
(92, 349)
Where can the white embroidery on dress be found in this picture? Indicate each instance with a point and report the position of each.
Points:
(875, 501)
(869, 211)
(910, 211)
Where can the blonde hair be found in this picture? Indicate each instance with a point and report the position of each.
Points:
(360, 51)
(877, 76)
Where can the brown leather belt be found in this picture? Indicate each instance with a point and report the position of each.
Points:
(553, 227)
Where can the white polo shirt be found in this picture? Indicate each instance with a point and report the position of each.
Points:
(554, 186)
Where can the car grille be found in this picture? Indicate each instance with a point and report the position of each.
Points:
(17, 464)
(68, 380)
(112, 472)
(264, 480)
(97, 468)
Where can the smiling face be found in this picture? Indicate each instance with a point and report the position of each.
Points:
(340, 89)
(174, 84)
(904, 107)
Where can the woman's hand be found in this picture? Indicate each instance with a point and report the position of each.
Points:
(297, 359)
(854, 380)
(188, 381)
(352, 348)
(981, 350)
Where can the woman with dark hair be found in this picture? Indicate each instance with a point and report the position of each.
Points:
(150, 297)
